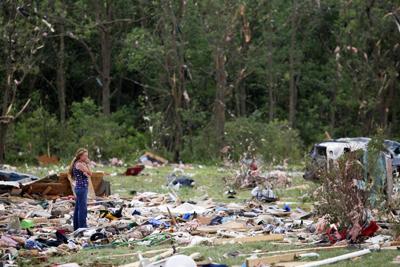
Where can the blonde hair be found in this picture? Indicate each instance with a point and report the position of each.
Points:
(78, 154)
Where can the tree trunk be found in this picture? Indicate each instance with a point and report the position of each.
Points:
(219, 105)
(386, 105)
(271, 112)
(179, 86)
(240, 95)
(332, 109)
(106, 70)
(174, 65)
(4, 108)
(237, 101)
(142, 12)
(243, 97)
(61, 75)
(104, 14)
(292, 62)
(3, 135)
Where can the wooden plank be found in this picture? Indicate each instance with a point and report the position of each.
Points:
(395, 243)
(94, 182)
(291, 263)
(71, 184)
(271, 260)
(294, 250)
(389, 181)
(56, 188)
(91, 192)
(172, 218)
(157, 251)
(157, 158)
(204, 220)
(232, 226)
(250, 239)
(47, 190)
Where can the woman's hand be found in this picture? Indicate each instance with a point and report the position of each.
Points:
(84, 168)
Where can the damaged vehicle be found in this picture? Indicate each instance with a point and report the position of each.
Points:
(326, 153)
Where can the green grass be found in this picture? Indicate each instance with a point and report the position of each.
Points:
(208, 182)
(218, 254)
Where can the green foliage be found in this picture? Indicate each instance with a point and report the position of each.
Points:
(345, 65)
(140, 52)
(275, 141)
(36, 134)
(105, 137)
(339, 189)
(376, 170)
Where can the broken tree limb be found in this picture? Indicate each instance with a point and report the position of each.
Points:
(328, 136)
(338, 258)
(22, 109)
(172, 217)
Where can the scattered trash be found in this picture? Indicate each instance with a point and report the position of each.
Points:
(153, 160)
(116, 162)
(42, 223)
(263, 194)
(135, 170)
(182, 181)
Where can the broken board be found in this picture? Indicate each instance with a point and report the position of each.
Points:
(271, 260)
(249, 239)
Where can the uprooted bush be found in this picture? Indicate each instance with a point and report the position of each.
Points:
(342, 193)
(352, 186)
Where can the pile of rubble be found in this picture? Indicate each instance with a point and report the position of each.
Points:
(36, 216)
(43, 228)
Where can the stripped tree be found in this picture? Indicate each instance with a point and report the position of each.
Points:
(22, 30)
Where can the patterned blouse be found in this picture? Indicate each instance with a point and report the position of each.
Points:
(80, 177)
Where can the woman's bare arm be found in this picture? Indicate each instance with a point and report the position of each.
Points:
(84, 168)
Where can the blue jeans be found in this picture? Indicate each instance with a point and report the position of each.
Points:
(80, 212)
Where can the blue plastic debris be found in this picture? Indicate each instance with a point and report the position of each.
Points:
(157, 223)
(286, 207)
(186, 216)
(32, 244)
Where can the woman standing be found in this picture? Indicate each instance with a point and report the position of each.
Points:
(79, 169)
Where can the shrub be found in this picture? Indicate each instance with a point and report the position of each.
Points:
(274, 141)
(105, 137)
(353, 186)
(35, 134)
